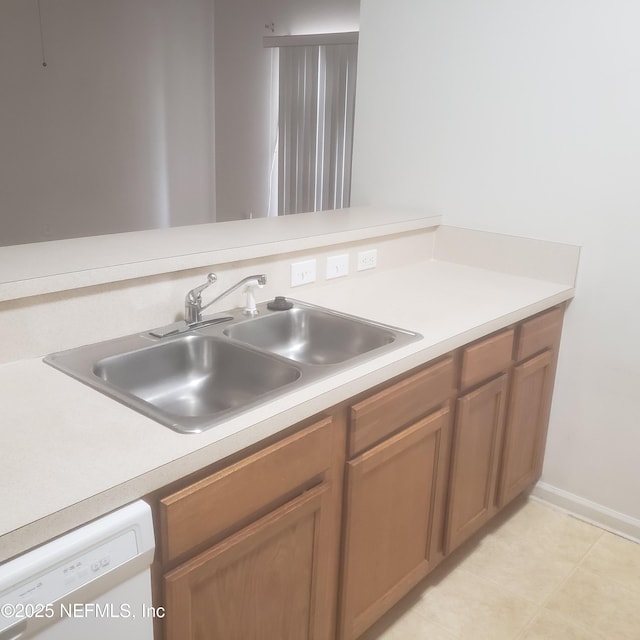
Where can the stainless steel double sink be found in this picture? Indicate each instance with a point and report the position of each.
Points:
(198, 377)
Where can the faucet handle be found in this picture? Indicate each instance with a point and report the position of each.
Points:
(196, 292)
(193, 301)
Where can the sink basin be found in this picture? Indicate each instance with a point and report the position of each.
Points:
(312, 336)
(196, 377)
(188, 382)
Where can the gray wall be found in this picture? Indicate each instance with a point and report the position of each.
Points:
(116, 133)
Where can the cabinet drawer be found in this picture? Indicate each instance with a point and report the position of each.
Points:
(487, 358)
(234, 495)
(385, 412)
(541, 332)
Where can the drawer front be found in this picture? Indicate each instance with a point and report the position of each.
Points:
(208, 508)
(385, 412)
(487, 358)
(539, 333)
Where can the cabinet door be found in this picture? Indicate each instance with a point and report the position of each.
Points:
(526, 430)
(394, 517)
(477, 438)
(261, 583)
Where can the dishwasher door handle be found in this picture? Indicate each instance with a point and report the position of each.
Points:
(15, 631)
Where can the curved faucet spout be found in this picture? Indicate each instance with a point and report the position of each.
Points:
(193, 307)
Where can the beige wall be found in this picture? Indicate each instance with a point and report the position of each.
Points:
(522, 117)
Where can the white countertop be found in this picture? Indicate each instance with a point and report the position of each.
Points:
(71, 454)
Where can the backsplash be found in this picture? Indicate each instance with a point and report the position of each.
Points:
(34, 326)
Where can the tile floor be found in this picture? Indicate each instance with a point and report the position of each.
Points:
(535, 574)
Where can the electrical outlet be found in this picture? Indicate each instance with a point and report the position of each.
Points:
(367, 259)
(337, 266)
(303, 272)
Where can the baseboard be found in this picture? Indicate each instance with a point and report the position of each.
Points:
(591, 512)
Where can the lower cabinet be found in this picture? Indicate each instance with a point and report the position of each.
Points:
(251, 551)
(316, 535)
(530, 404)
(258, 583)
(395, 499)
(475, 461)
(501, 422)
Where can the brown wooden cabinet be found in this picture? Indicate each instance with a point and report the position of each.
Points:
(477, 435)
(500, 426)
(316, 535)
(475, 461)
(260, 583)
(530, 404)
(395, 495)
(251, 551)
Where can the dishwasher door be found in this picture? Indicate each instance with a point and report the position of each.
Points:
(93, 583)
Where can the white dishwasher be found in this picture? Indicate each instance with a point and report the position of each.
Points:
(92, 583)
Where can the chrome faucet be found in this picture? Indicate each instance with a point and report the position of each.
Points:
(193, 306)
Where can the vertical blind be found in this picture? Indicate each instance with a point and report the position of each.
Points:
(316, 105)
